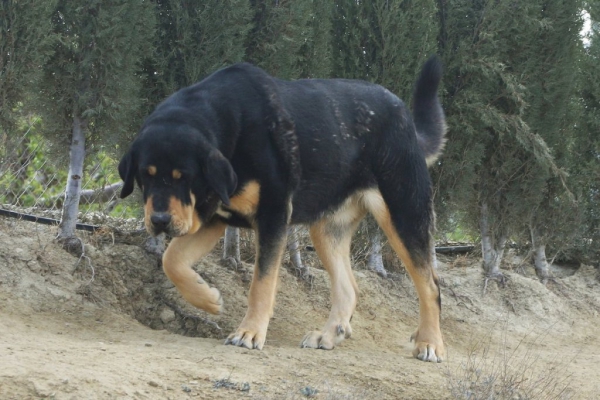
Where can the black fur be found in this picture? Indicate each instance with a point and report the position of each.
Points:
(313, 142)
(427, 111)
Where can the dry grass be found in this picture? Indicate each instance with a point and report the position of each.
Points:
(493, 370)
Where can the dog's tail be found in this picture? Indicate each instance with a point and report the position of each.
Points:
(428, 114)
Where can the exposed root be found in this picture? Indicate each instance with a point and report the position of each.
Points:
(499, 277)
(73, 245)
(231, 263)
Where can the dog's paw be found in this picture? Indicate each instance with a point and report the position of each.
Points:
(214, 302)
(198, 293)
(328, 338)
(428, 348)
(248, 337)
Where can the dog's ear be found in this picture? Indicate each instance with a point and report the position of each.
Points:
(220, 175)
(127, 170)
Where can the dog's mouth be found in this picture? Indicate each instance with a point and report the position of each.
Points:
(161, 222)
(177, 220)
(165, 223)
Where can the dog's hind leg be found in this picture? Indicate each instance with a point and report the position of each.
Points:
(331, 236)
(418, 261)
(178, 259)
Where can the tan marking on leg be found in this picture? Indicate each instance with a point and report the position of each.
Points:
(252, 332)
(247, 200)
(429, 344)
(151, 170)
(178, 259)
(331, 237)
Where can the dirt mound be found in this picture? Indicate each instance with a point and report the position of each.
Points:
(110, 325)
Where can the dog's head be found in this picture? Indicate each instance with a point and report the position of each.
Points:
(177, 171)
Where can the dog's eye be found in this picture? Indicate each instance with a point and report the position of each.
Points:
(177, 174)
(151, 170)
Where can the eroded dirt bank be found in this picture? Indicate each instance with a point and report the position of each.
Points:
(110, 326)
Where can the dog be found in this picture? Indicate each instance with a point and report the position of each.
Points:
(242, 148)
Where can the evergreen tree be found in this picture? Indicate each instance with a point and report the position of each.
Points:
(485, 105)
(192, 40)
(291, 38)
(585, 154)
(25, 32)
(90, 85)
(549, 69)
(384, 41)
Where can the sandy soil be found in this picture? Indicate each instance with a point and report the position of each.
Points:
(110, 326)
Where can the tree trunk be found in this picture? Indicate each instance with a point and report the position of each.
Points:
(294, 249)
(106, 194)
(102, 195)
(492, 248)
(231, 246)
(68, 220)
(434, 256)
(539, 256)
(375, 260)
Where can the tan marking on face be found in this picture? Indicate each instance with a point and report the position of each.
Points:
(196, 222)
(184, 218)
(176, 174)
(246, 202)
(152, 170)
(148, 211)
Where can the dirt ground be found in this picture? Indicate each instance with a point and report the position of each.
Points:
(109, 325)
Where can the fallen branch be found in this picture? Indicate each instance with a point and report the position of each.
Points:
(94, 196)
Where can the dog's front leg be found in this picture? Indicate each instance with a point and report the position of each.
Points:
(270, 243)
(181, 254)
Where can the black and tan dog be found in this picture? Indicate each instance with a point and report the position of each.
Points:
(245, 149)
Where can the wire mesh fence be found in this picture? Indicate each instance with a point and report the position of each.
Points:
(33, 179)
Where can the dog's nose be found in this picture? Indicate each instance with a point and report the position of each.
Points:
(160, 221)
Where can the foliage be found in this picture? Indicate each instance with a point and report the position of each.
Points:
(27, 178)
(192, 40)
(484, 106)
(546, 67)
(584, 154)
(90, 85)
(383, 41)
(30, 178)
(93, 70)
(510, 91)
(291, 39)
(24, 36)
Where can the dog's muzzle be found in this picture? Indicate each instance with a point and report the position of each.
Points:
(161, 222)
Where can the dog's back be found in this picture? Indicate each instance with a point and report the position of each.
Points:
(344, 127)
